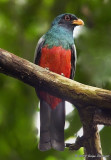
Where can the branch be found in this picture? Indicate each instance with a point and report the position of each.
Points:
(92, 144)
(78, 143)
(90, 139)
(89, 100)
(78, 94)
(102, 117)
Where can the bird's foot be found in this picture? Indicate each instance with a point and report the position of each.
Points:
(62, 74)
(47, 68)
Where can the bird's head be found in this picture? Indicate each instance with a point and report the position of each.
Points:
(67, 20)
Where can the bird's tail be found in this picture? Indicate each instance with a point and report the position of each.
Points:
(52, 126)
(45, 118)
(57, 127)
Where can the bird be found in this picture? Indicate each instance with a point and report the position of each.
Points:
(56, 52)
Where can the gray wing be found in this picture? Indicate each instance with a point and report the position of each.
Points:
(38, 50)
(73, 61)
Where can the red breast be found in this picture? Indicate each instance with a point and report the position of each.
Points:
(58, 60)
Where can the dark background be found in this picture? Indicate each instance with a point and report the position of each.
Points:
(22, 23)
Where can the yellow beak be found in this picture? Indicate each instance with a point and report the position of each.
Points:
(78, 22)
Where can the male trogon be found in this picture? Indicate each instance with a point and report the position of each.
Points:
(55, 51)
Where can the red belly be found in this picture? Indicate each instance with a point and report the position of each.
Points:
(58, 60)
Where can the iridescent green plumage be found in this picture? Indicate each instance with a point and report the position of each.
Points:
(59, 36)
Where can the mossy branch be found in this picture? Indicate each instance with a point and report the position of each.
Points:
(79, 94)
(90, 101)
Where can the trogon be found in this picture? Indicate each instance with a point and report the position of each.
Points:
(55, 51)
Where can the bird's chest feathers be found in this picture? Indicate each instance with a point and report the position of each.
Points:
(57, 59)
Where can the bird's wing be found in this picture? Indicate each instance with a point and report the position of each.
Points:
(73, 61)
(38, 50)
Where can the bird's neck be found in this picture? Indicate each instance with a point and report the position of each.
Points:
(59, 36)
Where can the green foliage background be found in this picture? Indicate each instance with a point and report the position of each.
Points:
(22, 23)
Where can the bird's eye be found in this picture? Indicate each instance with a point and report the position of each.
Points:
(67, 18)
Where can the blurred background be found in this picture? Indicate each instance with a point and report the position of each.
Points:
(22, 23)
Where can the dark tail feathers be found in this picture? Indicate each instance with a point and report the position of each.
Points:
(52, 126)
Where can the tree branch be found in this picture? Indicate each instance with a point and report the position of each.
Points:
(90, 101)
(78, 94)
(92, 144)
(78, 143)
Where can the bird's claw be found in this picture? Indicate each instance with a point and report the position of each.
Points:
(62, 74)
(47, 68)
